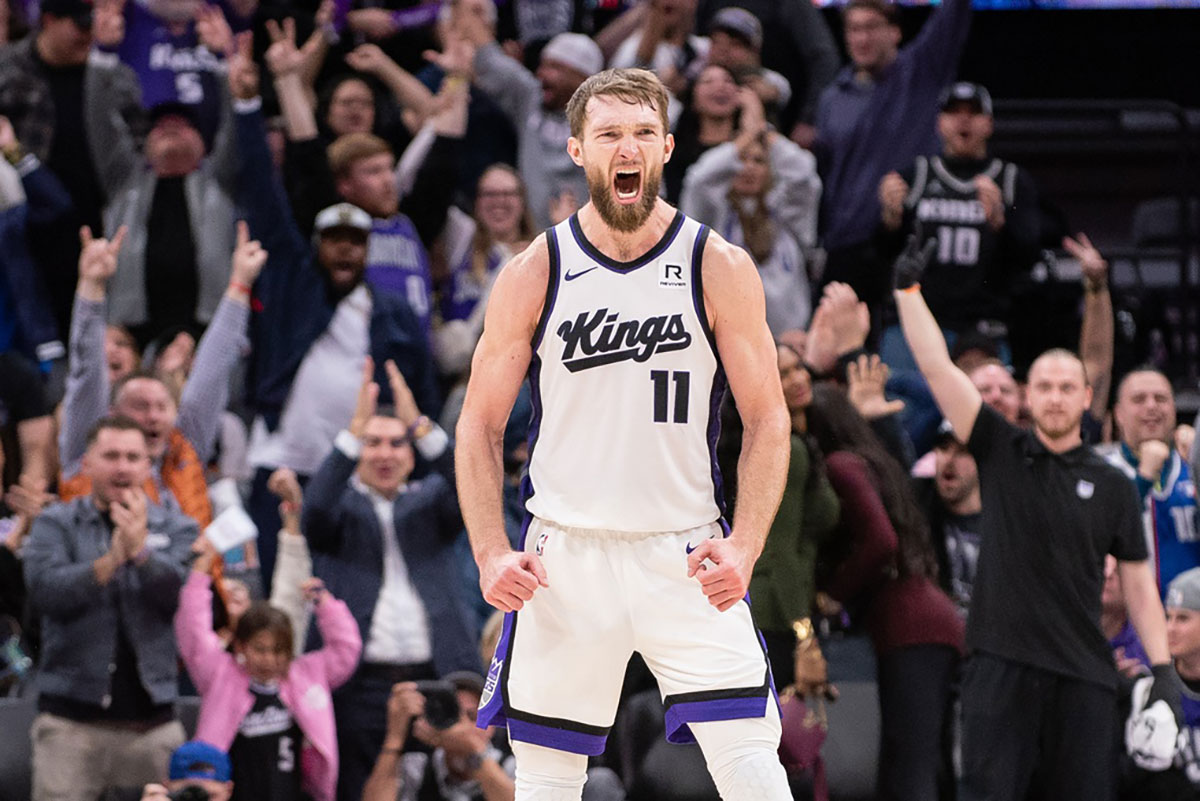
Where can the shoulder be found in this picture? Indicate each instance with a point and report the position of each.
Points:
(527, 274)
(62, 513)
(725, 263)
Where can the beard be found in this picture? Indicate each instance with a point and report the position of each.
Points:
(618, 216)
(1058, 429)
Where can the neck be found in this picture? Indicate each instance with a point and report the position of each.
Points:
(978, 153)
(799, 421)
(972, 504)
(622, 245)
(1061, 443)
(1188, 667)
(1112, 621)
(714, 130)
(873, 72)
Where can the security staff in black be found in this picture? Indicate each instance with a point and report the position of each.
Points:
(982, 211)
(1038, 693)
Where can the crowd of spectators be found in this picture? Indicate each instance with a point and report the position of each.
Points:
(245, 251)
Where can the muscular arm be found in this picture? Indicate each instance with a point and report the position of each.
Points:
(956, 396)
(1145, 609)
(501, 361)
(1096, 345)
(733, 296)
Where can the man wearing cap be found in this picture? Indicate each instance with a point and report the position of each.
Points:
(46, 85)
(877, 116)
(1183, 638)
(537, 105)
(737, 40)
(1040, 686)
(666, 44)
(1145, 416)
(983, 212)
(195, 764)
(313, 322)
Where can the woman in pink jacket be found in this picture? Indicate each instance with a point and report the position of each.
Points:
(273, 714)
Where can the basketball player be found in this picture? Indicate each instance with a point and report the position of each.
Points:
(629, 319)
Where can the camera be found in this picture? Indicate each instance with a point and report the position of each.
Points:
(191, 792)
(441, 703)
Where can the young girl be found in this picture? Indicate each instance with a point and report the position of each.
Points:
(271, 713)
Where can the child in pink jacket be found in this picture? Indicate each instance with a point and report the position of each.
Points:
(270, 712)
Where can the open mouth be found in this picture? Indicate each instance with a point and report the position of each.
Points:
(627, 185)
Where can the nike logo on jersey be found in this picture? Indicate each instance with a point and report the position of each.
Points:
(601, 339)
(570, 276)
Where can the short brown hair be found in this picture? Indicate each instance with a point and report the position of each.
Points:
(351, 148)
(261, 616)
(113, 422)
(630, 85)
(881, 7)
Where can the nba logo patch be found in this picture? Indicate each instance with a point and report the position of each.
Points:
(1085, 489)
(671, 276)
(541, 543)
(1188, 488)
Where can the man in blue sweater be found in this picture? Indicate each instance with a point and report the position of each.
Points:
(878, 115)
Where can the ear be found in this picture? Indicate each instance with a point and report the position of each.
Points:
(669, 147)
(1087, 397)
(575, 151)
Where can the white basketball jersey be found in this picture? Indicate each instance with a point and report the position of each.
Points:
(627, 388)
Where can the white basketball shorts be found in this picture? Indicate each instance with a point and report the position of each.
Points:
(556, 676)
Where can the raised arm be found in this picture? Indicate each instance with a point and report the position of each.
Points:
(796, 192)
(736, 309)
(515, 89)
(1096, 333)
(86, 399)
(956, 396)
(705, 193)
(206, 392)
(507, 579)
(405, 88)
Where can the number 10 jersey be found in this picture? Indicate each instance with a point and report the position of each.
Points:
(627, 388)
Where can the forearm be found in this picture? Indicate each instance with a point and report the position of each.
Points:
(1096, 344)
(1149, 621)
(384, 783)
(480, 472)
(922, 333)
(762, 473)
(298, 113)
(508, 83)
(86, 398)
(207, 389)
(35, 438)
(406, 89)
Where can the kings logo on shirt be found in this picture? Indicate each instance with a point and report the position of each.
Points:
(597, 338)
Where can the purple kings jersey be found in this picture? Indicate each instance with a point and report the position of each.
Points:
(398, 263)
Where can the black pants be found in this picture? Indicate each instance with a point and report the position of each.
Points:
(915, 688)
(1032, 734)
(360, 711)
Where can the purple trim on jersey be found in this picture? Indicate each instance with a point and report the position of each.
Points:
(626, 266)
(698, 288)
(562, 739)
(462, 293)
(716, 398)
(678, 716)
(535, 425)
(551, 288)
(491, 711)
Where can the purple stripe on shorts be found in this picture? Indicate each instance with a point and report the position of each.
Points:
(552, 737)
(680, 715)
(491, 704)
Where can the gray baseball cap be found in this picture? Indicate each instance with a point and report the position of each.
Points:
(1184, 590)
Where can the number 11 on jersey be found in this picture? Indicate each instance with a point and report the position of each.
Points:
(662, 381)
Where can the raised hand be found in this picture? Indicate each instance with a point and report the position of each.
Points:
(911, 263)
(248, 257)
(97, 262)
(8, 137)
(243, 72)
(108, 23)
(283, 57)
(402, 397)
(213, 31)
(284, 485)
(892, 191)
(368, 58)
(1091, 263)
(865, 379)
(849, 318)
(206, 554)
(314, 590)
(374, 23)
(368, 398)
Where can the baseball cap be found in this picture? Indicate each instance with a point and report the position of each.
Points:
(967, 92)
(576, 51)
(197, 759)
(740, 23)
(78, 10)
(945, 433)
(342, 215)
(1184, 590)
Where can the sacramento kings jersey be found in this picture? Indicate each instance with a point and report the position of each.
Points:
(947, 205)
(1187, 756)
(398, 263)
(1169, 515)
(627, 388)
